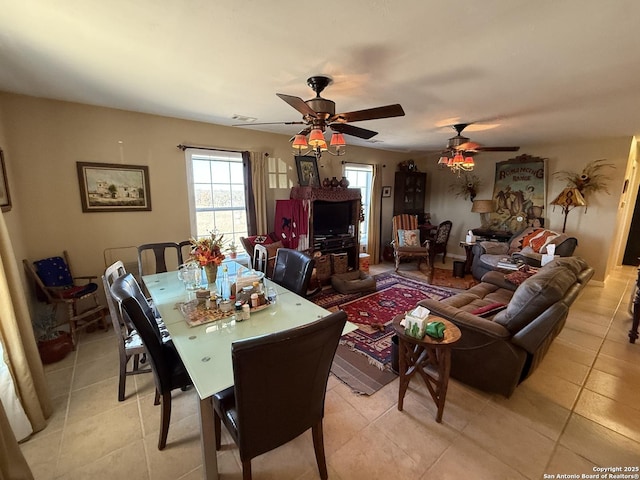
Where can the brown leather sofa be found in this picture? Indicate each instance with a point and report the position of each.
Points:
(499, 350)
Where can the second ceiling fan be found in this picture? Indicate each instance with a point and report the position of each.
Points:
(463, 145)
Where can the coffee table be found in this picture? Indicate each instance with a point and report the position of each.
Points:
(429, 357)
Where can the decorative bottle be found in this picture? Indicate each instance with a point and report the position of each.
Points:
(335, 182)
(225, 287)
(344, 183)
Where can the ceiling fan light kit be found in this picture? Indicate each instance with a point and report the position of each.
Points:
(318, 114)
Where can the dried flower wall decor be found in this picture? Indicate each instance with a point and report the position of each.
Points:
(590, 180)
(466, 186)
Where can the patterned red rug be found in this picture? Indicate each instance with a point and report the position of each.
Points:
(373, 314)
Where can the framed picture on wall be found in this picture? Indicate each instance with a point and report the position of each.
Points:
(308, 175)
(108, 187)
(519, 194)
(5, 199)
(386, 191)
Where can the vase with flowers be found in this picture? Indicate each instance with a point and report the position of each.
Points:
(207, 252)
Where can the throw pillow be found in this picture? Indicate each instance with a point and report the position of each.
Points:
(518, 277)
(489, 310)
(516, 242)
(409, 238)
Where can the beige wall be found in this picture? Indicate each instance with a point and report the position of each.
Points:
(43, 140)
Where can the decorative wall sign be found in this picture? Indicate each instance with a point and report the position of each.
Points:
(5, 199)
(107, 187)
(519, 194)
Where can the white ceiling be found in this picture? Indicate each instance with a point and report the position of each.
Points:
(528, 71)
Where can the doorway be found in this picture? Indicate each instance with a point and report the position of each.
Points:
(632, 250)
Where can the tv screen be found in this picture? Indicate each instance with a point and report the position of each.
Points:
(331, 218)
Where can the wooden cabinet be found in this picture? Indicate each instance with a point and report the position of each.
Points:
(410, 190)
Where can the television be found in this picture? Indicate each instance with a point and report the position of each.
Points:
(332, 218)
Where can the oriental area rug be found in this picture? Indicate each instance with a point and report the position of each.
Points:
(363, 358)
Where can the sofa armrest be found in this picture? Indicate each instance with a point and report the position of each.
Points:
(497, 279)
(492, 248)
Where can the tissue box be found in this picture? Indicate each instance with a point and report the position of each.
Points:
(415, 322)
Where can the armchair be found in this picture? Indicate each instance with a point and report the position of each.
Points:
(406, 240)
(528, 246)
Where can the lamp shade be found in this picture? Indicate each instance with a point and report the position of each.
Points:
(570, 197)
(482, 206)
(316, 137)
(300, 142)
(337, 140)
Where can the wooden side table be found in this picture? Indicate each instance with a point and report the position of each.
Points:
(430, 357)
(468, 250)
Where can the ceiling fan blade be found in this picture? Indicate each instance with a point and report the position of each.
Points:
(353, 131)
(387, 111)
(498, 149)
(267, 123)
(298, 104)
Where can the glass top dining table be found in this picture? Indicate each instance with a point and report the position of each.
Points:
(205, 349)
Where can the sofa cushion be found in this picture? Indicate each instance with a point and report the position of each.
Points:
(534, 296)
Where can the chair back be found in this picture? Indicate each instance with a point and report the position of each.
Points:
(160, 256)
(156, 350)
(280, 382)
(184, 251)
(260, 258)
(113, 272)
(441, 236)
(403, 222)
(292, 270)
(126, 286)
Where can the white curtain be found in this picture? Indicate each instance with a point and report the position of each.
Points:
(373, 245)
(9, 398)
(259, 186)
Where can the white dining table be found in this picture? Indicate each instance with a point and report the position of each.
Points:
(205, 349)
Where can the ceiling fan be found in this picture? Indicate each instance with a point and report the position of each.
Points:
(463, 145)
(319, 113)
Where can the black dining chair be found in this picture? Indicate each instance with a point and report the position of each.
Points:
(168, 370)
(280, 382)
(292, 269)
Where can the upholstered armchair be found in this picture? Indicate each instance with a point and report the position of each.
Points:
(527, 246)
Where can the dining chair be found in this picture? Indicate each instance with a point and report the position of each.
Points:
(406, 240)
(184, 251)
(292, 269)
(274, 399)
(55, 284)
(168, 370)
(129, 342)
(160, 256)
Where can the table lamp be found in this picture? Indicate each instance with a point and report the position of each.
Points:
(483, 207)
(568, 199)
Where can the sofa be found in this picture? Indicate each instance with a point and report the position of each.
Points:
(527, 246)
(508, 322)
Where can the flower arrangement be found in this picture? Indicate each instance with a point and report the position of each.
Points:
(207, 250)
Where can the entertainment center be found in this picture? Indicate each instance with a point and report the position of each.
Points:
(334, 220)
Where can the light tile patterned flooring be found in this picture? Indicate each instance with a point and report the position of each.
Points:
(579, 410)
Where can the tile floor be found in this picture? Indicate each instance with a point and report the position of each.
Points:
(579, 410)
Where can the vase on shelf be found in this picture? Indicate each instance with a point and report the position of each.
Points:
(211, 271)
(335, 182)
(344, 183)
(326, 183)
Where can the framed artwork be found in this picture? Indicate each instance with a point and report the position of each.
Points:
(386, 191)
(107, 187)
(308, 175)
(519, 194)
(5, 199)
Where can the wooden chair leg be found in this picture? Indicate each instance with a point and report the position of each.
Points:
(165, 418)
(123, 378)
(156, 400)
(217, 428)
(318, 445)
(246, 470)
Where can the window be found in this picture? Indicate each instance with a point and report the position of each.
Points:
(361, 176)
(216, 194)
